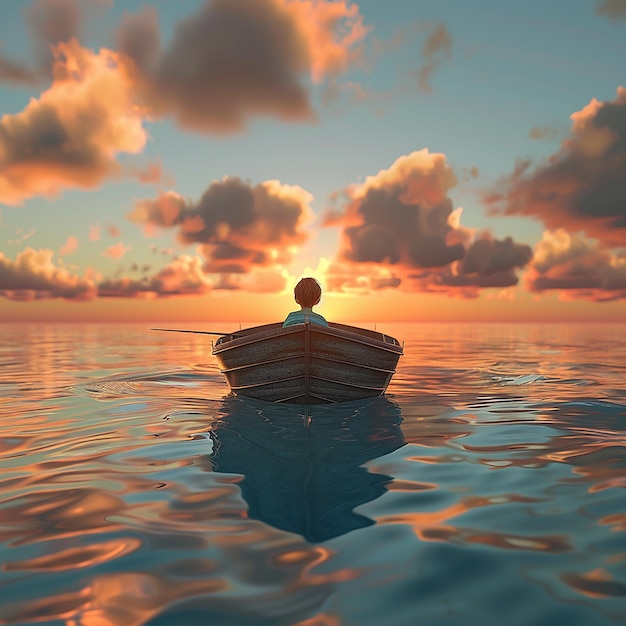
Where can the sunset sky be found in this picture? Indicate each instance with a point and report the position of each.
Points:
(431, 160)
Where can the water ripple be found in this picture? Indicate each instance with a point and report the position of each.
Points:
(487, 486)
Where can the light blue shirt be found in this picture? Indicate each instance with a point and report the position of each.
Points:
(298, 317)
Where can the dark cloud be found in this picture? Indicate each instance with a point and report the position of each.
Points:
(487, 263)
(506, 278)
(569, 263)
(613, 9)
(15, 72)
(401, 215)
(436, 49)
(51, 22)
(34, 276)
(433, 251)
(487, 256)
(234, 59)
(139, 37)
(372, 243)
(239, 226)
(399, 228)
(583, 186)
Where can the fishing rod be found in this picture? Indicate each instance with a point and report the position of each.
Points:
(196, 332)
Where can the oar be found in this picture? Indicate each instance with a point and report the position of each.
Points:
(196, 332)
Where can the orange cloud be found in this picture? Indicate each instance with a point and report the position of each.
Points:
(582, 187)
(33, 276)
(257, 280)
(239, 226)
(116, 251)
(183, 276)
(209, 81)
(358, 278)
(151, 173)
(488, 262)
(94, 232)
(402, 220)
(71, 134)
(164, 211)
(576, 266)
(332, 31)
(70, 246)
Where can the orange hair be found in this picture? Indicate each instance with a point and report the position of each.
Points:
(307, 292)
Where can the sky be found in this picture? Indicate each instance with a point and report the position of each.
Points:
(432, 160)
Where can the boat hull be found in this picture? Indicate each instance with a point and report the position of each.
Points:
(307, 363)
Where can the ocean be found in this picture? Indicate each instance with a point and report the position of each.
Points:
(487, 487)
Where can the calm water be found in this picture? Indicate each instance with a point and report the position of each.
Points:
(488, 487)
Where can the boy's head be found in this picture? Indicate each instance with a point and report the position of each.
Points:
(307, 292)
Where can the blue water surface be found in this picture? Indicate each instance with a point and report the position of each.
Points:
(487, 487)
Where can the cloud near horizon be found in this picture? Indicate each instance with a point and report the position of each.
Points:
(182, 276)
(34, 276)
(574, 265)
(582, 187)
(185, 276)
(239, 226)
(402, 220)
(234, 59)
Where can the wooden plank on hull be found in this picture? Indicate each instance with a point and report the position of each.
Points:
(307, 363)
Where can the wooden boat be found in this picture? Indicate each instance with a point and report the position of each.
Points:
(307, 363)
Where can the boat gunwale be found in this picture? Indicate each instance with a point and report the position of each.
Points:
(339, 333)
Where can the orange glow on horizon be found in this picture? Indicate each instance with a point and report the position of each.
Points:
(241, 307)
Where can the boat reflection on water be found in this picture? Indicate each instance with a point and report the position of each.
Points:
(302, 467)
